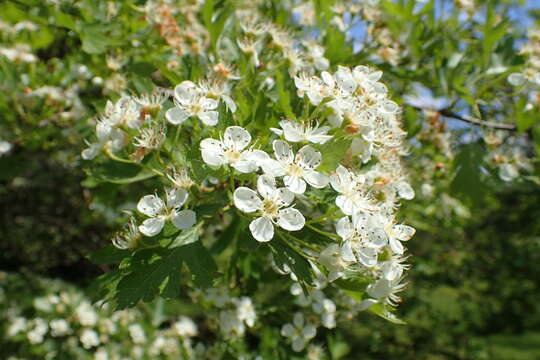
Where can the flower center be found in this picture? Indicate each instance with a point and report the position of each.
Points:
(232, 155)
(270, 208)
(295, 170)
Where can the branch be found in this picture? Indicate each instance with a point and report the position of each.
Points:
(468, 119)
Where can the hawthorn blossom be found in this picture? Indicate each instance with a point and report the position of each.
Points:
(270, 207)
(396, 234)
(190, 101)
(232, 151)
(362, 239)
(299, 332)
(296, 170)
(299, 132)
(331, 257)
(349, 185)
(108, 137)
(159, 211)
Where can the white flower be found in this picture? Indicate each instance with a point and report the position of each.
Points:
(299, 332)
(89, 338)
(190, 101)
(5, 147)
(270, 208)
(385, 289)
(17, 325)
(297, 170)
(107, 137)
(136, 333)
(37, 334)
(125, 112)
(396, 234)
(331, 257)
(325, 307)
(349, 185)
(312, 86)
(185, 327)
(129, 237)
(232, 150)
(160, 211)
(230, 324)
(86, 314)
(362, 238)
(59, 327)
(246, 310)
(299, 132)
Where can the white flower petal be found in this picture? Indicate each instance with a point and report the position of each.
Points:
(262, 229)
(308, 157)
(92, 151)
(266, 185)
(287, 331)
(212, 152)
(273, 167)
(282, 151)
(344, 228)
(209, 118)
(152, 226)
(208, 104)
(309, 331)
(184, 219)
(150, 205)
(298, 320)
(367, 256)
(176, 115)
(294, 183)
(404, 232)
(176, 197)
(346, 252)
(342, 179)
(185, 92)
(291, 219)
(396, 246)
(345, 204)
(298, 344)
(292, 131)
(229, 102)
(285, 196)
(316, 179)
(247, 200)
(256, 156)
(236, 137)
(405, 190)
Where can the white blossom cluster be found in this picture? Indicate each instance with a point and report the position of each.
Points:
(531, 75)
(274, 176)
(65, 322)
(234, 314)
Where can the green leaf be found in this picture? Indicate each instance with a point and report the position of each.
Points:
(94, 42)
(285, 255)
(186, 237)
(200, 263)
(467, 181)
(383, 311)
(334, 152)
(119, 173)
(149, 271)
(284, 104)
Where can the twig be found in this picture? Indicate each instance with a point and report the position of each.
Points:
(468, 119)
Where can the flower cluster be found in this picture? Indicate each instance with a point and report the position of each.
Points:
(317, 185)
(64, 322)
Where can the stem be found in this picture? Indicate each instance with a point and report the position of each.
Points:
(126, 161)
(322, 232)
